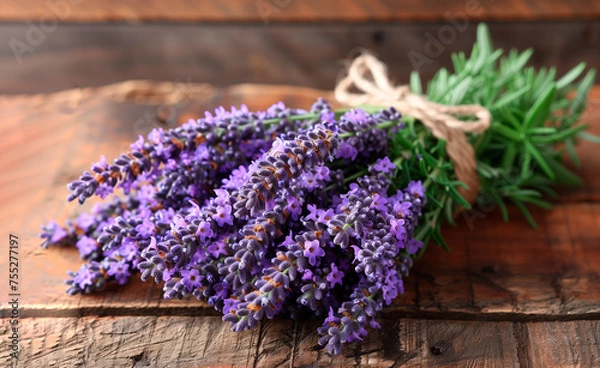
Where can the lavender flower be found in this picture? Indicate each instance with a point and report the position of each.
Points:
(285, 161)
(258, 214)
(335, 276)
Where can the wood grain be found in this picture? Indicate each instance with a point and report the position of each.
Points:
(295, 11)
(131, 342)
(559, 344)
(174, 341)
(83, 55)
(503, 271)
(207, 342)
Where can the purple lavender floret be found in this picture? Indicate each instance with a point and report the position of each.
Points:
(90, 277)
(367, 140)
(54, 234)
(258, 214)
(182, 158)
(286, 160)
(376, 249)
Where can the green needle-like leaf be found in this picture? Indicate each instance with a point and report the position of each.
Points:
(534, 123)
(536, 201)
(560, 136)
(449, 209)
(526, 213)
(589, 137)
(537, 156)
(500, 204)
(452, 192)
(509, 98)
(540, 112)
(508, 132)
(570, 76)
(415, 82)
(581, 95)
(564, 176)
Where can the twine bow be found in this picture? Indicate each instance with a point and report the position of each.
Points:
(368, 75)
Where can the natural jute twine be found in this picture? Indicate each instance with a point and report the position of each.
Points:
(368, 76)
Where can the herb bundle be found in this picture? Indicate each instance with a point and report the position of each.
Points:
(317, 212)
(519, 158)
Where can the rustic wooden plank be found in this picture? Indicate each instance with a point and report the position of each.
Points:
(130, 342)
(206, 341)
(302, 54)
(559, 344)
(497, 269)
(420, 343)
(294, 11)
(508, 271)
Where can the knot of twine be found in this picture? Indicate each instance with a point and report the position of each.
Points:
(368, 76)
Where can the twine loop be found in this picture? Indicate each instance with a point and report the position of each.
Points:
(368, 77)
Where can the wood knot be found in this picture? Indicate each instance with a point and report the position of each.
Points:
(140, 360)
(440, 348)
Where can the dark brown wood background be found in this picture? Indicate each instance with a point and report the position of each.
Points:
(297, 11)
(506, 295)
(230, 52)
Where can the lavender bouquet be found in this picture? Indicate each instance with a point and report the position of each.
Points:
(316, 212)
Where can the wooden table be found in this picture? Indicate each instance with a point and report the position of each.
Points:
(506, 295)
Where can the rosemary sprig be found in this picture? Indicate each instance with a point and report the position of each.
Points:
(534, 123)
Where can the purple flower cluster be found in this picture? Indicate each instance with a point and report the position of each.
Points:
(258, 214)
